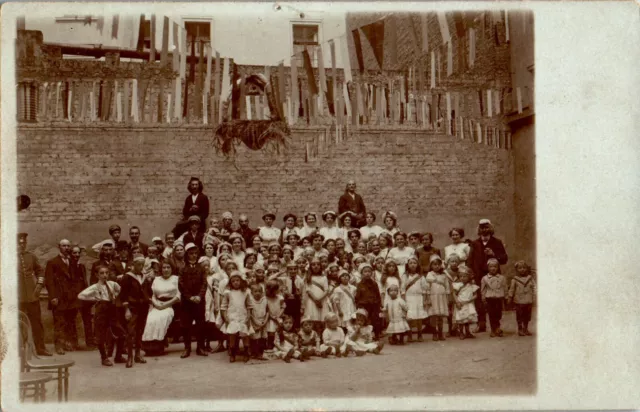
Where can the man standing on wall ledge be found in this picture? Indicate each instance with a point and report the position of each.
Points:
(196, 204)
(482, 249)
(351, 201)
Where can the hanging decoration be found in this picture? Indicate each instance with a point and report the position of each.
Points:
(374, 32)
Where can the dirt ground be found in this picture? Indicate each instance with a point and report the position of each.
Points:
(484, 366)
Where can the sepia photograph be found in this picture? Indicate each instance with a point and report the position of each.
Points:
(311, 201)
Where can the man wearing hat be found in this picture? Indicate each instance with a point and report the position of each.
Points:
(485, 247)
(105, 258)
(114, 232)
(63, 299)
(135, 295)
(30, 283)
(289, 227)
(351, 201)
(228, 227)
(196, 204)
(193, 287)
(244, 230)
(195, 235)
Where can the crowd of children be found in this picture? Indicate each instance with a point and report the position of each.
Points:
(312, 292)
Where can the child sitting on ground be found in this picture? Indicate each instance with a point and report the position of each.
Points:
(310, 341)
(286, 342)
(360, 335)
(333, 337)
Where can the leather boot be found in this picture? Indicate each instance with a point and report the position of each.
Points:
(119, 352)
(138, 358)
(129, 357)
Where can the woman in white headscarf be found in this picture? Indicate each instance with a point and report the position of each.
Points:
(310, 225)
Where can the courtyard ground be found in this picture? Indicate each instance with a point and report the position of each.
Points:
(483, 366)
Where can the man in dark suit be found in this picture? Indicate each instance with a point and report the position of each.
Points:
(194, 235)
(196, 204)
(245, 231)
(134, 235)
(135, 295)
(482, 249)
(30, 283)
(351, 201)
(63, 300)
(79, 277)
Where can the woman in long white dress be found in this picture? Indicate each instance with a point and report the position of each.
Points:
(165, 295)
(458, 247)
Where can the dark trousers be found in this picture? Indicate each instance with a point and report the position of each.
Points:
(482, 312)
(494, 309)
(374, 317)
(106, 326)
(87, 322)
(135, 326)
(192, 311)
(292, 309)
(523, 313)
(64, 326)
(32, 309)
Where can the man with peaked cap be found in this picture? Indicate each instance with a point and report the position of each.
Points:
(30, 283)
(193, 286)
(485, 247)
(114, 232)
(135, 295)
(195, 235)
(63, 301)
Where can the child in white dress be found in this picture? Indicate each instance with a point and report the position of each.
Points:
(316, 289)
(390, 276)
(395, 311)
(465, 309)
(360, 335)
(235, 314)
(275, 310)
(438, 296)
(286, 342)
(414, 290)
(259, 319)
(344, 304)
(333, 339)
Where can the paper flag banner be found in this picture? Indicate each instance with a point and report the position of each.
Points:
(390, 29)
(346, 63)
(496, 101)
(448, 114)
(425, 31)
(433, 69)
(374, 32)
(438, 66)
(461, 128)
(472, 47)
(449, 59)
(444, 27)
(479, 130)
(506, 23)
(322, 77)
(489, 103)
(311, 78)
(119, 106)
(58, 85)
(152, 52)
(358, 46)
(519, 99)
(92, 100)
(114, 26)
(347, 101)
(207, 79)
(134, 101)
(165, 41)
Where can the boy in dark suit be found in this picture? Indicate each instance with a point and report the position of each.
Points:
(135, 295)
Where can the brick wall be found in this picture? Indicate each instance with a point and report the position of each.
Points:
(84, 178)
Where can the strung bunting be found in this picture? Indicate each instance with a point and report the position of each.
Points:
(506, 24)
(425, 32)
(294, 84)
(311, 78)
(489, 103)
(449, 59)
(346, 60)
(444, 27)
(433, 69)
(374, 32)
(472, 47)
(321, 73)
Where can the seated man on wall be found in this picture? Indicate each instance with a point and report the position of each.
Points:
(196, 204)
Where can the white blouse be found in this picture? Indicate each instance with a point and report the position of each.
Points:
(269, 235)
(367, 231)
(165, 288)
(401, 256)
(461, 249)
(331, 233)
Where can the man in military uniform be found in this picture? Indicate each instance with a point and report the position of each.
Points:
(30, 283)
